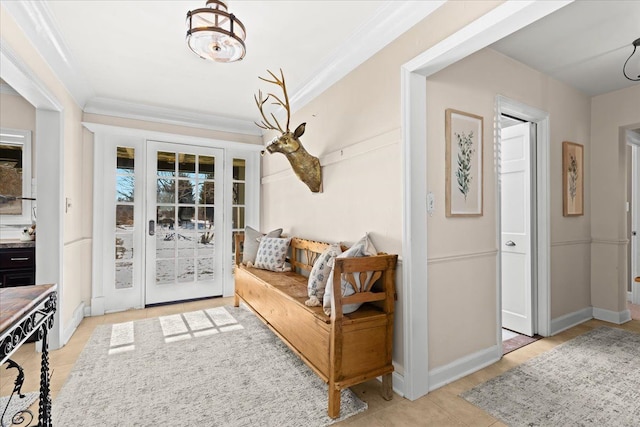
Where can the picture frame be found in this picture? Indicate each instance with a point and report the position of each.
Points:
(464, 163)
(572, 179)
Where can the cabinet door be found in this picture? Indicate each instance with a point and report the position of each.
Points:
(17, 278)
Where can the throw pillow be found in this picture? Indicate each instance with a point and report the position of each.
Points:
(272, 253)
(252, 241)
(363, 247)
(320, 274)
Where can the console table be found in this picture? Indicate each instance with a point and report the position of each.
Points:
(25, 310)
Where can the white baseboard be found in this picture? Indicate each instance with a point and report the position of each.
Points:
(617, 317)
(398, 383)
(97, 306)
(570, 320)
(630, 296)
(87, 311)
(78, 315)
(464, 366)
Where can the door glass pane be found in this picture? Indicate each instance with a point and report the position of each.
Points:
(207, 167)
(205, 268)
(187, 166)
(125, 160)
(206, 216)
(124, 226)
(186, 270)
(187, 191)
(166, 192)
(124, 216)
(238, 190)
(166, 164)
(165, 232)
(238, 217)
(124, 275)
(207, 193)
(165, 271)
(186, 244)
(238, 193)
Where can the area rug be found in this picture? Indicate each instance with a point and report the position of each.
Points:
(591, 380)
(17, 404)
(215, 367)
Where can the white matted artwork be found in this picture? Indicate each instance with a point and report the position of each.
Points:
(464, 168)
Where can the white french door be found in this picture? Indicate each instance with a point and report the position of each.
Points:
(184, 222)
(515, 245)
(164, 218)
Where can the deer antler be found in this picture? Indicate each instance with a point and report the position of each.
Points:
(265, 124)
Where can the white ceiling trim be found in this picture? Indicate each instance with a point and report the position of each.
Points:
(130, 110)
(388, 23)
(36, 21)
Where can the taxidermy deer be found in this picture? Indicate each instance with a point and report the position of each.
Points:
(306, 166)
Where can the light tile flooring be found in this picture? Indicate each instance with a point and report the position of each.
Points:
(441, 407)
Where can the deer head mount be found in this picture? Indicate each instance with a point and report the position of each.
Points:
(305, 166)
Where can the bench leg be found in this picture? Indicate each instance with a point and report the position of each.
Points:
(236, 300)
(334, 401)
(387, 386)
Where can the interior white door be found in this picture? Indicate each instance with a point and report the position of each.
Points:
(515, 245)
(635, 223)
(185, 230)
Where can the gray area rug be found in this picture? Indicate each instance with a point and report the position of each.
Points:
(591, 380)
(17, 404)
(215, 367)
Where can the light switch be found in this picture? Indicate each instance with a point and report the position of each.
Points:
(431, 203)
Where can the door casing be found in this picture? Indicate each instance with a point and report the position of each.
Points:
(103, 133)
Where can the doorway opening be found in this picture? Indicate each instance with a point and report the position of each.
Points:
(517, 223)
(522, 161)
(633, 197)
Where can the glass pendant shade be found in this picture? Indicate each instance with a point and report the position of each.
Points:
(215, 34)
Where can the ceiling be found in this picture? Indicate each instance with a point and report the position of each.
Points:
(127, 54)
(583, 44)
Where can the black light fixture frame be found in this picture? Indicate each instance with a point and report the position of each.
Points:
(636, 43)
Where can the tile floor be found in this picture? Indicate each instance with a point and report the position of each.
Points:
(441, 407)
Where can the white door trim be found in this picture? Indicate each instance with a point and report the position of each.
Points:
(634, 141)
(542, 221)
(49, 154)
(496, 24)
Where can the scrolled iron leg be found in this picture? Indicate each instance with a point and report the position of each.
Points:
(44, 414)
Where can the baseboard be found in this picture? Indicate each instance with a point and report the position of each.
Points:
(78, 315)
(464, 366)
(630, 296)
(87, 311)
(570, 320)
(398, 383)
(617, 317)
(97, 306)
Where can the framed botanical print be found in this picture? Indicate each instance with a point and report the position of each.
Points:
(464, 165)
(572, 179)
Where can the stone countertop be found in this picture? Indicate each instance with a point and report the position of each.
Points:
(16, 243)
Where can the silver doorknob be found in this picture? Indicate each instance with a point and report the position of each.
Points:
(510, 243)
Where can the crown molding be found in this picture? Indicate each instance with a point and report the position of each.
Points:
(130, 110)
(5, 89)
(37, 23)
(391, 20)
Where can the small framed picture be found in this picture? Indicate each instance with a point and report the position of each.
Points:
(464, 167)
(572, 179)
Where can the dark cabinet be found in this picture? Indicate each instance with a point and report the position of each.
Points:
(17, 267)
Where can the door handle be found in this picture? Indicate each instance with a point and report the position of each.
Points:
(152, 228)
(510, 243)
(633, 233)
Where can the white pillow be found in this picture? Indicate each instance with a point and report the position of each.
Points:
(320, 274)
(363, 247)
(272, 253)
(252, 239)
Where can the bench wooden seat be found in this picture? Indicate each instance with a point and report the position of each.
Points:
(342, 349)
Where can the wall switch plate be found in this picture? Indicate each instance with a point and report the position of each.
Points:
(431, 203)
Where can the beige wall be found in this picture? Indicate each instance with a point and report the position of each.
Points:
(611, 115)
(357, 123)
(77, 250)
(462, 251)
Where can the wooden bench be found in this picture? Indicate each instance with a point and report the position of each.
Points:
(342, 349)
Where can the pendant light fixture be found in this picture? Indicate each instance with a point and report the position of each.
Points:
(214, 33)
(636, 43)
